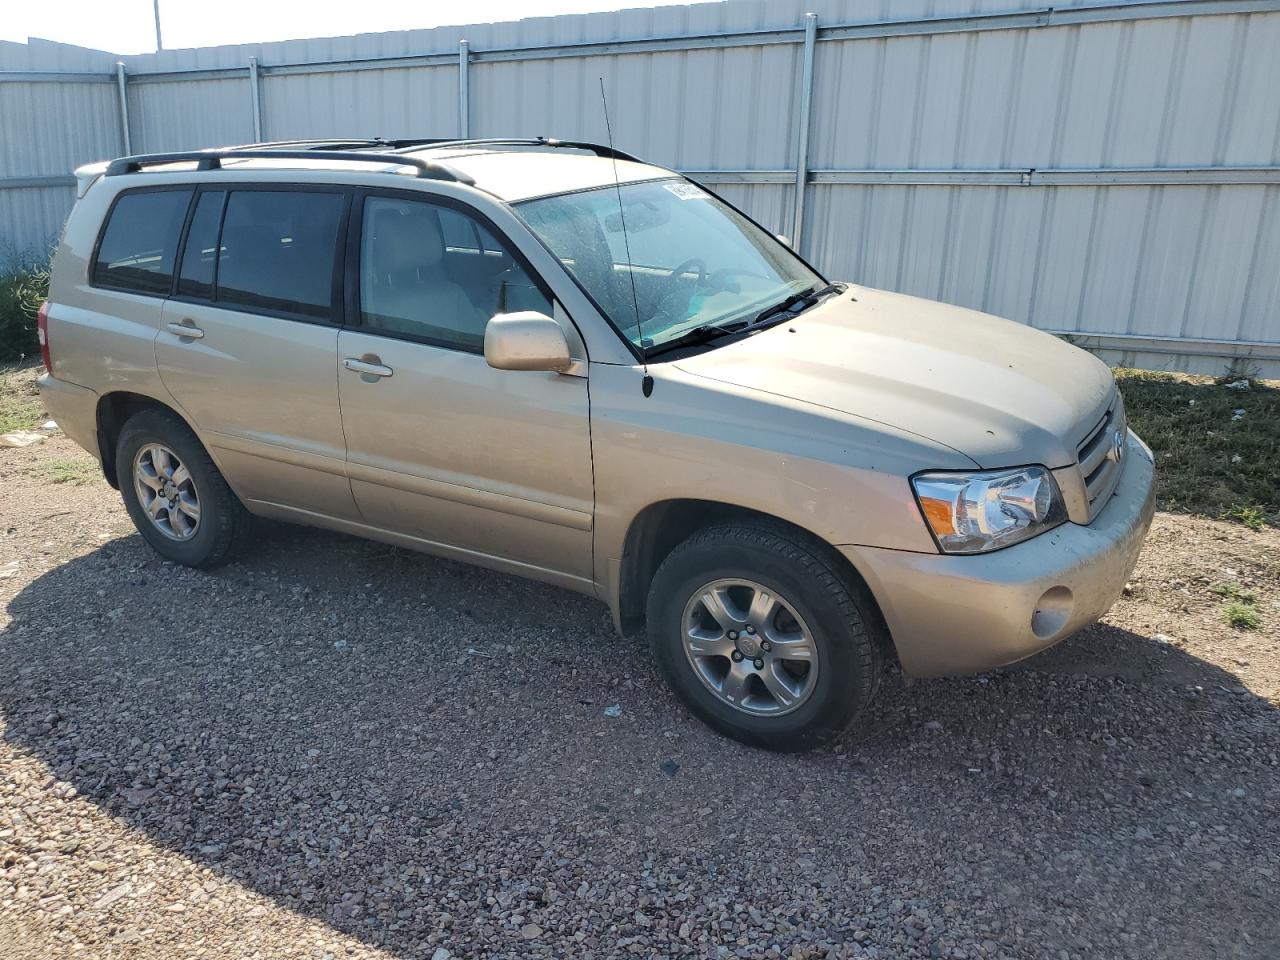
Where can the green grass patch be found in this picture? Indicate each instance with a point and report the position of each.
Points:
(1210, 459)
(20, 406)
(1251, 517)
(1241, 609)
(1241, 615)
(72, 470)
(1233, 591)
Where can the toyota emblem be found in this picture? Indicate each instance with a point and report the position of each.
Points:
(1116, 452)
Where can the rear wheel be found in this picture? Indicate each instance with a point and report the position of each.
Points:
(763, 637)
(174, 493)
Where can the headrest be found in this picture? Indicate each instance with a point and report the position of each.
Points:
(406, 240)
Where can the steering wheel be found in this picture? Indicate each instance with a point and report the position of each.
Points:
(717, 278)
(683, 268)
(722, 279)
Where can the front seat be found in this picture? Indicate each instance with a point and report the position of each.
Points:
(408, 289)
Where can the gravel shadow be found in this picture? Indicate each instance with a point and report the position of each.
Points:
(416, 753)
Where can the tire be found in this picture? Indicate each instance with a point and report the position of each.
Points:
(814, 600)
(222, 526)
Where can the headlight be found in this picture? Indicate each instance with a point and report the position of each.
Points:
(977, 512)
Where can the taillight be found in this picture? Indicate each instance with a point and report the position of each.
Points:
(42, 334)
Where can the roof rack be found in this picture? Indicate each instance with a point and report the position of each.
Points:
(212, 160)
(599, 149)
(337, 143)
(309, 143)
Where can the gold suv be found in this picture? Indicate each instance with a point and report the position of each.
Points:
(558, 361)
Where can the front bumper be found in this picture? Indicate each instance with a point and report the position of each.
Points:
(74, 408)
(964, 614)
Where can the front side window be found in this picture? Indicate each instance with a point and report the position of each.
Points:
(432, 273)
(278, 252)
(694, 261)
(140, 242)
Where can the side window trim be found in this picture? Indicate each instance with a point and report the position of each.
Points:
(217, 247)
(201, 190)
(353, 317)
(181, 252)
(92, 268)
(338, 286)
(338, 274)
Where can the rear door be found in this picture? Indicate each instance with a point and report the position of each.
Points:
(248, 342)
(489, 465)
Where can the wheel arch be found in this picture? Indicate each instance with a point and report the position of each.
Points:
(660, 527)
(114, 411)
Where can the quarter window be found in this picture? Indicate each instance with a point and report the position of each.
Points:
(435, 274)
(278, 251)
(140, 242)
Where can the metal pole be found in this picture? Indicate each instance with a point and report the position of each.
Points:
(802, 138)
(155, 6)
(124, 107)
(464, 89)
(256, 93)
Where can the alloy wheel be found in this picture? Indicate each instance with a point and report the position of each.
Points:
(749, 647)
(166, 491)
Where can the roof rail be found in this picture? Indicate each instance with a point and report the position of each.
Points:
(599, 149)
(212, 160)
(336, 143)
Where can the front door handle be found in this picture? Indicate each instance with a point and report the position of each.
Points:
(370, 367)
(186, 328)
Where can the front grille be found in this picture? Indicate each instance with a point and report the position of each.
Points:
(1101, 456)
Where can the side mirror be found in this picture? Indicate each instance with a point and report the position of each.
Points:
(782, 239)
(526, 340)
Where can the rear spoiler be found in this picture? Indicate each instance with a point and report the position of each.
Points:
(87, 174)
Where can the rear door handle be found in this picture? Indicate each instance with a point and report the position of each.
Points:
(367, 367)
(185, 329)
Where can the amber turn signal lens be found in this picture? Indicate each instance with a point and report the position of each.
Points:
(939, 516)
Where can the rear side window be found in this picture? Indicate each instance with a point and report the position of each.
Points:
(140, 242)
(278, 251)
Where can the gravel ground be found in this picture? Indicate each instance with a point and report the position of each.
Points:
(334, 749)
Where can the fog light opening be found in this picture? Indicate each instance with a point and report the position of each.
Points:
(1052, 611)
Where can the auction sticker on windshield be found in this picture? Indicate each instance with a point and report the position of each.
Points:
(686, 191)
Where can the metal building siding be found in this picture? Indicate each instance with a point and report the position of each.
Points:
(33, 146)
(189, 114)
(1260, 318)
(49, 128)
(408, 102)
(670, 106)
(33, 219)
(766, 203)
(39, 54)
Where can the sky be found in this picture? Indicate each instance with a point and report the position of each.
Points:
(128, 26)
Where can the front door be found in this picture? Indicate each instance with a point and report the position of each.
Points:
(486, 465)
(249, 347)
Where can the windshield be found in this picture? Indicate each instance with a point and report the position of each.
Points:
(694, 261)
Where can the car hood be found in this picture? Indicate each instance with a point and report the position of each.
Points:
(1001, 393)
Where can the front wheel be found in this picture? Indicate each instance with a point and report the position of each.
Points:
(762, 636)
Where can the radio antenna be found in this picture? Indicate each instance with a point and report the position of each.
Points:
(646, 385)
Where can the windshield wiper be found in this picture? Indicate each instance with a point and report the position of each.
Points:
(700, 334)
(808, 297)
(705, 333)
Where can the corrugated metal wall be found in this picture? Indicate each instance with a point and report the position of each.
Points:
(58, 105)
(1107, 171)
